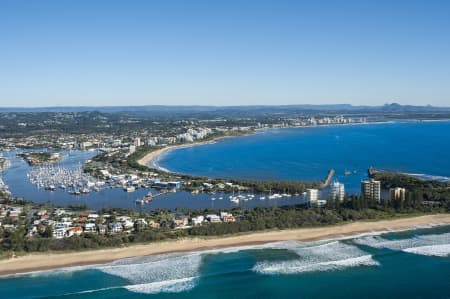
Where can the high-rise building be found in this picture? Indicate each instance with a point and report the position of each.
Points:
(312, 195)
(337, 191)
(397, 194)
(137, 142)
(132, 149)
(371, 189)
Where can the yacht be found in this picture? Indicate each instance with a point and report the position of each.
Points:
(129, 188)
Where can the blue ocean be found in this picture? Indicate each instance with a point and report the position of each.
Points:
(409, 264)
(419, 148)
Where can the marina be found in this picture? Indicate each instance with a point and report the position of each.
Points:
(112, 194)
(64, 183)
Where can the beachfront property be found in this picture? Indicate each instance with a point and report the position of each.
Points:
(371, 189)
(196, 221)
(213, 218)
(397, 194)
(66, 223)
(337, 191)
(312, 196)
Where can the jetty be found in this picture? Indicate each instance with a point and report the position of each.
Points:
(372, 171)
(149, 197)
(327, 180)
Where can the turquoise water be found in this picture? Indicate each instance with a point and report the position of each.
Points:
(308, 153)
(410, 264)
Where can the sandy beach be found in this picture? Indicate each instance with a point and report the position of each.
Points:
(35, 262)
(152, 157)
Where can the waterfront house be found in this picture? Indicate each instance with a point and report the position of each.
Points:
(154, 224)
(41, 213)
(213, 218)
(115, 227)
(174, 184)
(32, 230)
(227, 217)
(59, 233)
(92, 216)
(127, 224)
(90, 228)
(101, 229)
(140, 222)
(198, 220)
(76, 230)
(58, 212)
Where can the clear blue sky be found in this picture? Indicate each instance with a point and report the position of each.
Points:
(92, 52)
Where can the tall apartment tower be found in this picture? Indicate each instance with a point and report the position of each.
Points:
(371, 189)
(397, 194)
(337, 191)
(312, 195)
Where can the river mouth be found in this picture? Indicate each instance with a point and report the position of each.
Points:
(307, 154)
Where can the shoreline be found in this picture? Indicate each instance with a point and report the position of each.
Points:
(150, 159)
(42, 262)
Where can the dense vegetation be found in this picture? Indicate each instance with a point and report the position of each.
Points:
(248, 220)
(418, 190)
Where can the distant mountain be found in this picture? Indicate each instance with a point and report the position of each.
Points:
(150, 109)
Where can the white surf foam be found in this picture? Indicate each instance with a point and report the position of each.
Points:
(160, 273)
(431, 245)
(328, 256)
(431, 250)
(168, 286)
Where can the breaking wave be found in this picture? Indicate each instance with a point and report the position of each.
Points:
(168, 286)
(160, 273)
(329, 256)
(430, 245)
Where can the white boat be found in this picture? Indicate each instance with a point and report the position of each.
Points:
(129, 189)
(234, 199)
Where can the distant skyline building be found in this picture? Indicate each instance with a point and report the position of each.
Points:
(397, 194)
(371, 189)
(337, 191)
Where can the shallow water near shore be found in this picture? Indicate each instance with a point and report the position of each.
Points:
(407, 264)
